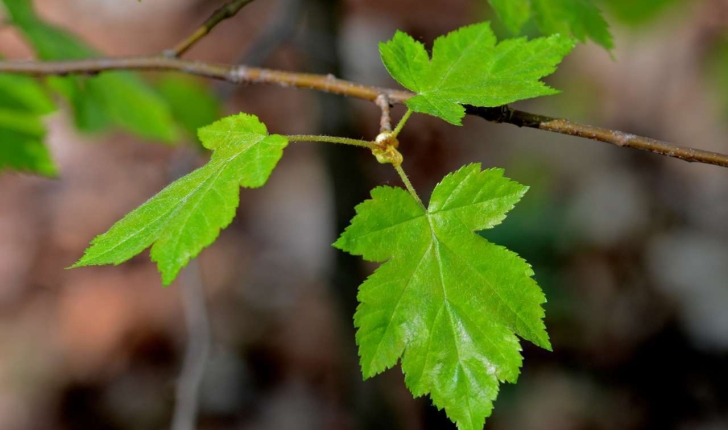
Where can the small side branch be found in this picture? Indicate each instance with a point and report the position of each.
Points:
(229, 10)
(385, 122)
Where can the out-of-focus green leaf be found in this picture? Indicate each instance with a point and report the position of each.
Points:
(24, 94)
(22, 103)
(513, 13)
(118, 98)
(578, 18)
(635, 12)
(719, 68)
(135, 106)
(193, 104)
(21, 143)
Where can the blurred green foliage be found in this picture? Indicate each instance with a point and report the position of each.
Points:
(22, 132)
(578, 18)
(111, 99)
(636, 12)
(720, 71)
(118, 98)
(192, 103)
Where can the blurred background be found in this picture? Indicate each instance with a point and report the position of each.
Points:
(631, 248)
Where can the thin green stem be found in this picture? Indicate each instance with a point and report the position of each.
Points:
(402, 122)
(409, 186)
(331, 139)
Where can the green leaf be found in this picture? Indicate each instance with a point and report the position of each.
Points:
(513, 13)
(21, 143)
(193, 104)
(468, 67)
(578, 18)
(134, 106)
(22, 103)
(24, 94)
(118, 98)
(446, 301)
(188, 215)
(638, 12)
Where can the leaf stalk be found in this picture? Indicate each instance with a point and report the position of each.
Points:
(331, 139)
(402, 122)
(409, 186)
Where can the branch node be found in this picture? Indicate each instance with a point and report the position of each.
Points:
(169, 53)
(386, 149)
(622, 139)
(238, 75)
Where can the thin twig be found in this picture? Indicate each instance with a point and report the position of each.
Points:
(519, 118)
(224, 72)
(330, 84)
(278, 31)
(228, 10)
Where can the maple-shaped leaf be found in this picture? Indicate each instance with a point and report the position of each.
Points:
(446, 301)
(468, 66)
(188, 215)
(579, 18)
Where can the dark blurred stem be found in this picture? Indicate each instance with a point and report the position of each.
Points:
(346, 174)
(366, 400)
(278, 31)
(196, 320)
(196, 352)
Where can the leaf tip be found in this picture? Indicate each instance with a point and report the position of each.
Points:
(84, 261)
(340, 243)
(75, 265)
(169, 273)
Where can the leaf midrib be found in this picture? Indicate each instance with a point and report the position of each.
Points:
(474, 41)
(174, 210)
(492, 288)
